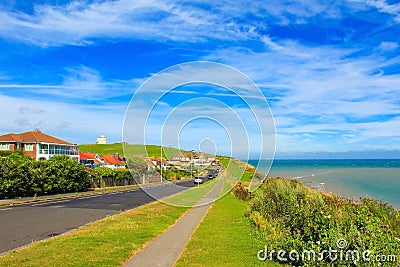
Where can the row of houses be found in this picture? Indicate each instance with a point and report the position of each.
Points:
(183, 160)
(41, 146)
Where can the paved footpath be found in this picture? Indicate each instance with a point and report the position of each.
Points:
(166, 248)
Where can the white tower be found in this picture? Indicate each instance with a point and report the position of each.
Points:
(102, 140)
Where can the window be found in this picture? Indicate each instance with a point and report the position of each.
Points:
(44, 149)
(4, 146)
(28, 147)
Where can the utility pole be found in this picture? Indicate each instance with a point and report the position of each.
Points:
(161, 169)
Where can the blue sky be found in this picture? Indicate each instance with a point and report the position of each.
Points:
(330, 70)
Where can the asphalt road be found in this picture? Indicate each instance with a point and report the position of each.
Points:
(21, 225)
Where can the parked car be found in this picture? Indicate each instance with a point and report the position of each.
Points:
(198, 180)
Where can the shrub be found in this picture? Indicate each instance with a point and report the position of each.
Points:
(16, 176)
(289, 216)
(63, 175)
(240, 192)
(20, 176)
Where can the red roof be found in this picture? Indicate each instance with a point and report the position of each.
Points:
(32, 137)
(87, 155)
(112, 159)
(158, 160)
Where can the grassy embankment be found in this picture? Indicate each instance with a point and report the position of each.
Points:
(137, 150)
(286, 215)
(233, 241)
(224, 238)
(107, 242)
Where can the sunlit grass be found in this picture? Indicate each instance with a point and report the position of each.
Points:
(224, 238)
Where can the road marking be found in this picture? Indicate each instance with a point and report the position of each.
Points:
(88, 197)
(6, 209)
(49, 203)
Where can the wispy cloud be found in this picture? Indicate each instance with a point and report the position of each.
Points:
(323, 91)
(330, 69)
(78, 83)
(75, 122)
(384, 7)
(80, 23)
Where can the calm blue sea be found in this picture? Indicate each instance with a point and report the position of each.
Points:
(355, 178)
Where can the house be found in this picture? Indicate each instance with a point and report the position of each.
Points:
(160, 163)
(114, 161)
(93, 160)
(38, 145)
(181, 160)
(204, 159)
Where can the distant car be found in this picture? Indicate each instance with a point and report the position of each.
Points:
(198, 180)
(211, 176)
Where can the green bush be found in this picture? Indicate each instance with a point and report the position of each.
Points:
(16, 176)
(64, 175)
(174, 173)
(20, 176)
(288, 216)
(121, 174)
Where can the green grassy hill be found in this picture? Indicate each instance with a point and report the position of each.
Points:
(130, 150)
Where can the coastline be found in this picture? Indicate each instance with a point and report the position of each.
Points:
(350, 179)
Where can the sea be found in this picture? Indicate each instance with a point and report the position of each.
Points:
(353, 178)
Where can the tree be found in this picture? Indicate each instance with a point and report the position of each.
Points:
(137, 164)
(137, 167)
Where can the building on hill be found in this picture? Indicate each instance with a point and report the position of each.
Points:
(186, 160)
(101, 140)
(181, 160)
(38, 145)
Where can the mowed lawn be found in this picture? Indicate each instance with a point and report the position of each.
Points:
(110, 241)
(224, 238)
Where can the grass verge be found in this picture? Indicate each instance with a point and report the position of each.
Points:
(110, 241)
(224, 238)
(107, 242)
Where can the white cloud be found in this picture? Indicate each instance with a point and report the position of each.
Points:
(326, 93)
(79, 83)
(72, 122)
(80, 23)
(388, 46)
(383, 6)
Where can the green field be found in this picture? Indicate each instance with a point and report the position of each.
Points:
(130, 150)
